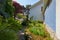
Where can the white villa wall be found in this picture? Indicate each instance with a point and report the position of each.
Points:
(36, 12)
(58, 18)
(50, 15)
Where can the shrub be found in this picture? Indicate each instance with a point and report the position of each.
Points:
(3, 25)
(9, 28)
(25, 23)
(8, 35)
(38, 31)
(14, 24)
(10, 24)
(37, 28)
(21, 16)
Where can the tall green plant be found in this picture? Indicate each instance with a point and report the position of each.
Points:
(8, 35)
(6, 8)
(9, 7)
(27, 11)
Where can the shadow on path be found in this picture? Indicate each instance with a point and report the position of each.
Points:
(21, 33)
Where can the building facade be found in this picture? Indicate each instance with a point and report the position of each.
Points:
(36, 11)
(50, 15)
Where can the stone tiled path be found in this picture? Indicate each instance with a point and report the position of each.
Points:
(21, 34)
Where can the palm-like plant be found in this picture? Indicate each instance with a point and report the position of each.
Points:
(46, 4)
(27, 11)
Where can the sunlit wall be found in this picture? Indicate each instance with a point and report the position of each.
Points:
(50, 15)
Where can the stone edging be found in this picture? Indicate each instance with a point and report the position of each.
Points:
(52, 33)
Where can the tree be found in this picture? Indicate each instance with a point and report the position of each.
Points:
(18, 8)
(6, 8)
(27, 11)
(9, 7)
(2, 8)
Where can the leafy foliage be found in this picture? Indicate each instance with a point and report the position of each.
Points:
(14, 24)
(25, 23)
(10, 24)
(38, 29)
(9, 7)
(8, 35)
(27, 11)
(6, 8)
(20, 16)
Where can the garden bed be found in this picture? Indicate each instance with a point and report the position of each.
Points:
(37, 31)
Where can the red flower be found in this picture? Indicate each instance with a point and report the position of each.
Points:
(18, 7)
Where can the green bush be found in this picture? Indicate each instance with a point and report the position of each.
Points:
(10, 24)
(38, 31)
(25, 23)
(9, 28)
(21, 16)
(35, 24)
(37, 28)
(8, 35)
(3, 25)
(14, 24)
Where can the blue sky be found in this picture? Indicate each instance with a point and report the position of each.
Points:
(26, 2)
